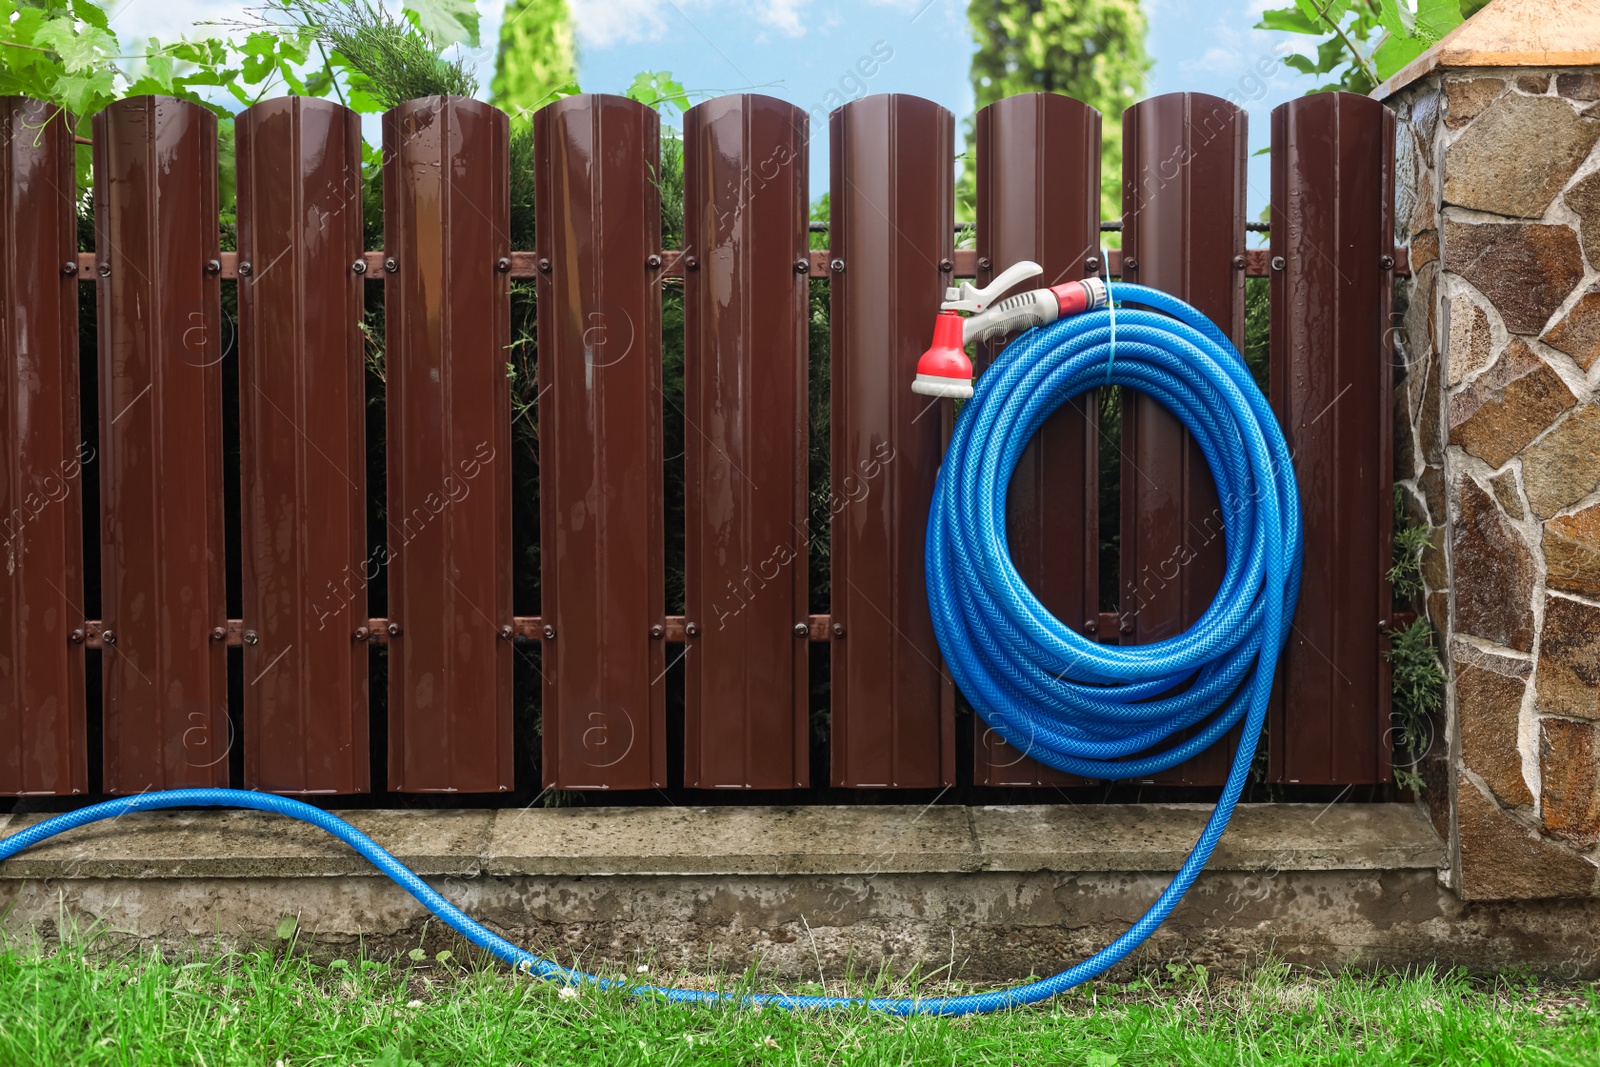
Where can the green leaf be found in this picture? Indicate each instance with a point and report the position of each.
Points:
(445, 22)
(1288, 20)
(1303, 64)
(417, 955)
(657, 89)
(1435, 18)
(78, 51)
(158, 66)
(91, 13)
(85, 92)
(1396, 52)
(286, 927)
(1396, 18)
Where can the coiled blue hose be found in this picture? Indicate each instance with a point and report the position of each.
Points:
(1073, 704)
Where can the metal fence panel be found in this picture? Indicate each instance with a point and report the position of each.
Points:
(162, 568)
(1332, 386)
(1184, 187)
(42, 715)
(303, 447)
(598, 215)
(892, 204)
(746, 311)
(447, 209)
(1038, 186)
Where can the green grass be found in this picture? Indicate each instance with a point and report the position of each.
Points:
(92, 1006)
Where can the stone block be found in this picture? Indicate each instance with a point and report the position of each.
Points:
(1517, 156)
(1578, 332)
(1563, 466)
(1503, 860)
(1469, 343)
(1584, 199)
(1504, 485)
(1569, 776)
(1571, 546)
(1492, 572)
(1526, 269)
(1431, 485)
(1568, 679)
(1465, 98)
(1507, 406)
(1578, 85)
(1488, 708)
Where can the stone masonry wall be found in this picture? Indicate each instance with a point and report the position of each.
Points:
(1497, 447)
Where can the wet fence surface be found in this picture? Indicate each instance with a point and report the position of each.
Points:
(138, 676)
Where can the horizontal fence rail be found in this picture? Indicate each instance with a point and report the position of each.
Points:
(431, 585)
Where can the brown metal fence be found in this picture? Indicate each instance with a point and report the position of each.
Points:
(607, 644)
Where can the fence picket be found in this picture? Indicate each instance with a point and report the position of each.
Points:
(1038, 185)
(1332, 386)
(1184, 189)
(598, 218)
(162, 568)
(42, 711)
(745, 399)
(447, 209)
(303, 447)
(893, 204)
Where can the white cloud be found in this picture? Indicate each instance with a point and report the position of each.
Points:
(602, 23)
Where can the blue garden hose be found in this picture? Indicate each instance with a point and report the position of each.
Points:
(1073, 704)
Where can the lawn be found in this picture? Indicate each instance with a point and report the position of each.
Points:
(91, 1006)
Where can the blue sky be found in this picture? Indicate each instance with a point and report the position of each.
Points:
(804, 50)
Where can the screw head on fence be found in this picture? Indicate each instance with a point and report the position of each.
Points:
(70, 267)
(1125, 628)
(503, 265)
(984, 263)
(77, 637)
(802, 266)
(691, 263)
(391, 264)
(1278, 262)
(1092, 626)
(394, 629)
(359, 266)
(549, 633)
(246, 269)
(251, 637)
(219, 633)
(1092, 265)
(837, 266)
(105, 270)
(507, 632)
(213, 267)
(652, 261)
(657, 632)
(838, 629)
(945, 266)
(1130, 263)
(362, 633)
(692, 629)
(108, 637)
(544, 266)
(1386, 262)
(1239, 262)
(802, 630)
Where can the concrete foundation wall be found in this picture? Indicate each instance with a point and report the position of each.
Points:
(999, 893)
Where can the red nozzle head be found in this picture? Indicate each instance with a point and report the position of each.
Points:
(944, 369)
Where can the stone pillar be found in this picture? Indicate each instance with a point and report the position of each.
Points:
(1497, 444)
